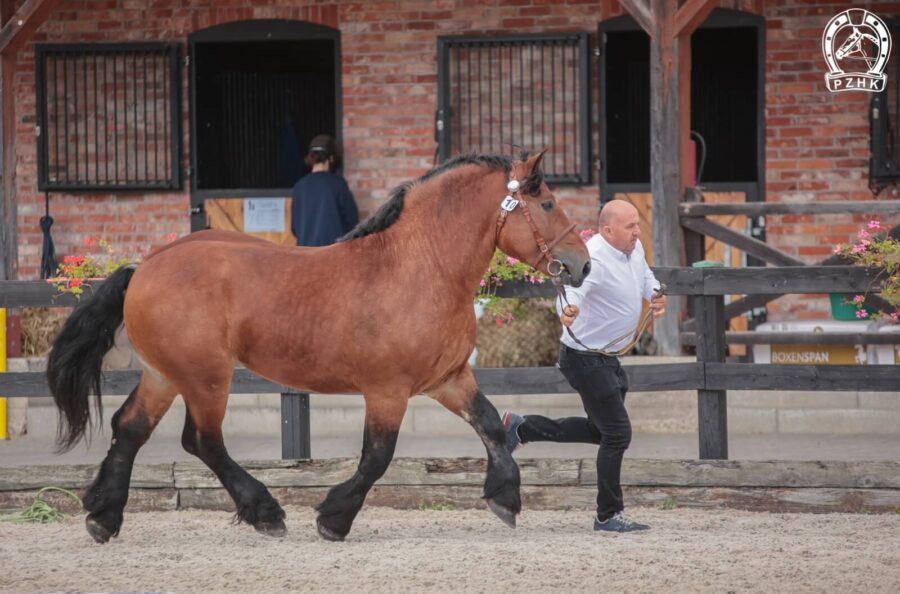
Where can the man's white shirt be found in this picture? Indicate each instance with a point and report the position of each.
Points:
(611, 297)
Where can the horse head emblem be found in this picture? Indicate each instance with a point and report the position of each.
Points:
(856, 45)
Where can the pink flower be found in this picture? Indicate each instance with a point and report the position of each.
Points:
(874, 224)
(895, 316)
(171, 237)
(482, 283)
(861, 313)
(837, 249)
(858, 299)
(587, 234)
(511, 261)
(863, 234)
(499, 322)
(860, 247)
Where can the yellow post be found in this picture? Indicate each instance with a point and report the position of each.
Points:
(3, 432)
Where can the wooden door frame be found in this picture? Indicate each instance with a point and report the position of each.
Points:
(261, 30)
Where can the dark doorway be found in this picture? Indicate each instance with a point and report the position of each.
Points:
(260, 91)
(726, 103)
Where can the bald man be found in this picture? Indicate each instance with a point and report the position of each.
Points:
(603, 313)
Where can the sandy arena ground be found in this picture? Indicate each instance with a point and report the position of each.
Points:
(688, 550)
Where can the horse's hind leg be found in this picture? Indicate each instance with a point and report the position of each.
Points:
(383, 417)
(132, 425)
(460, 395)
(202, 437)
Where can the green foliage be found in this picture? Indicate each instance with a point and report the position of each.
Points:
(503, 268)
(669, 503)
(875, 248)
(100, 262)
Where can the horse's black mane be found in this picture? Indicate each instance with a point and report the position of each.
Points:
(390, 211)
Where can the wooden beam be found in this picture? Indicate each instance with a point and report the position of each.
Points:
(755, 209)
(752, 246)
(756, 376)
(22, 25)
(640, 12)
(666, 184)
(690, 338)
(691, 14)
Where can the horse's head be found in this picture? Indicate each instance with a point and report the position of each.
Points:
(535, 229)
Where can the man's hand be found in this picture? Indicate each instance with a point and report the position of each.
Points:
(658, 306)
(570, 312)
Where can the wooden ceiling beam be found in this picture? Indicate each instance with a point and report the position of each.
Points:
(640, 12)
(691, 14)
(21, 26)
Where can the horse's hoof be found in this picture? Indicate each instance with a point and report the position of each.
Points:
(504, 513)
(327, 533)
(275, 528)
(100, 534)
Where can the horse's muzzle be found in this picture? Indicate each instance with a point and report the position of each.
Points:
(575, 270)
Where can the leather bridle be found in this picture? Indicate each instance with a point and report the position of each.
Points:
(514, 200)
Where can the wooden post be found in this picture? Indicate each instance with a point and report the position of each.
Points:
(15, 31)
(9, 216)
(670, 28)
(295, 442)
(712, 410)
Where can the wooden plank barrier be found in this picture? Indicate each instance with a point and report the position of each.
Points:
(710, 375)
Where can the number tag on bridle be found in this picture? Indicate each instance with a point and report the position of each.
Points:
(509, 204)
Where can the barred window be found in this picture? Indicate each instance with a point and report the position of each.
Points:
(532, 92)
(109, 116)
(884, 119)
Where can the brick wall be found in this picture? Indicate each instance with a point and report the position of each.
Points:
(817, 142)
(389, 97)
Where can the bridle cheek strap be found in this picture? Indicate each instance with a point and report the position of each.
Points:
(538, 238)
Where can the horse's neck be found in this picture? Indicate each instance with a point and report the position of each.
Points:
(454, 234)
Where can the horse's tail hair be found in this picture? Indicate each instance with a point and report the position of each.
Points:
(75, 360)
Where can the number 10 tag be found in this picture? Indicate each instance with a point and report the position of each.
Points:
(509, 204)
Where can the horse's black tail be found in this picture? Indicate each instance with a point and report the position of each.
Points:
(74, 363)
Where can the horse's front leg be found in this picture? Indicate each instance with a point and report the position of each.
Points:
(384, 413)
(460, 395)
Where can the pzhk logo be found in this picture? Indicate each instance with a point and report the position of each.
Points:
(856, 44)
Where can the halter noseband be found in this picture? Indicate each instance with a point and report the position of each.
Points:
(508, 205)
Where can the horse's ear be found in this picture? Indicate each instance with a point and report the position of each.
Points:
(534, 162)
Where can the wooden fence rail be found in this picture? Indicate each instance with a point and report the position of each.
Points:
(710, 375)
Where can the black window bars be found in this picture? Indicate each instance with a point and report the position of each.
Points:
(109, 116)
(530, 91)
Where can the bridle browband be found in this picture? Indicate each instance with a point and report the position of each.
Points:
(509, 204)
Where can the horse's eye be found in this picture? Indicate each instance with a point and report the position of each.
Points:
(548, 205)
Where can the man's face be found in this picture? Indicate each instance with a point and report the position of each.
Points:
(623, 231)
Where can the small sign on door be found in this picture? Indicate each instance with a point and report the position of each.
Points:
(264, 215)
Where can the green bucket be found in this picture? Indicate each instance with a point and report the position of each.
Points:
(707, 264)
(842, 307)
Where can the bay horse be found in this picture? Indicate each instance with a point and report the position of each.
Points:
(385, 312)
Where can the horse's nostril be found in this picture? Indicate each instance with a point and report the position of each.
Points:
(587, 268)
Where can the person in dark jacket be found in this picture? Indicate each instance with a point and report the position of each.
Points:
(322, 205)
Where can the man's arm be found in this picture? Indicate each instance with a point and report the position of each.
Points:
(651, 286)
